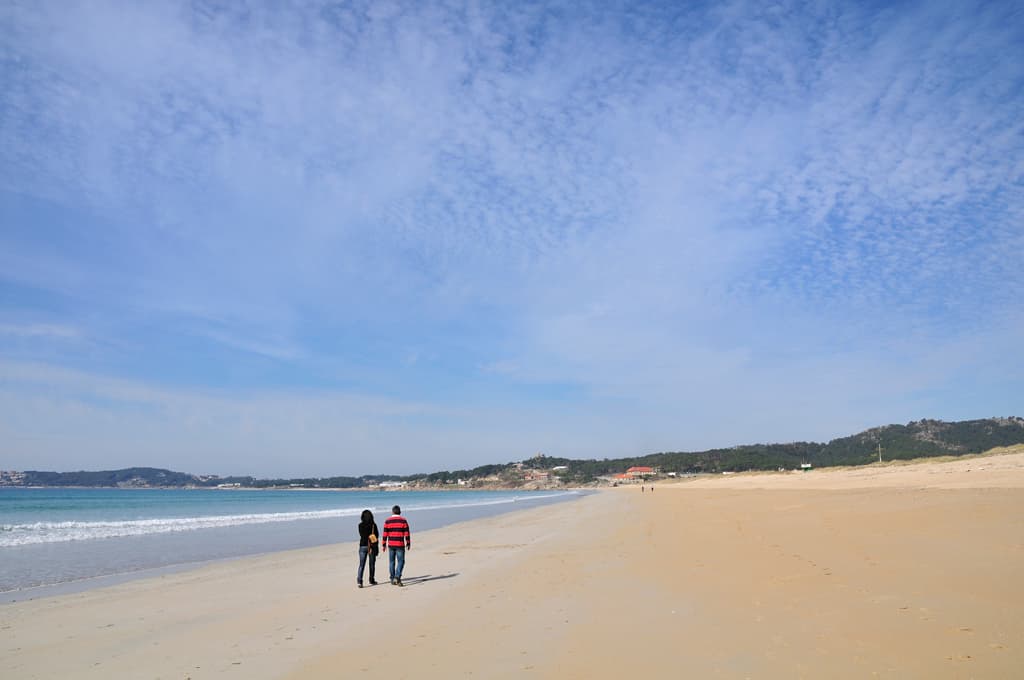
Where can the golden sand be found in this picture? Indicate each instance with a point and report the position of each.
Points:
(899, 571)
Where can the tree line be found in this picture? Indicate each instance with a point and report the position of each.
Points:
(916, 439)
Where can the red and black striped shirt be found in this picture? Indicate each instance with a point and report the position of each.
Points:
(396, 532)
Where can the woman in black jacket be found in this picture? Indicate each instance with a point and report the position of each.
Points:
(368, 547)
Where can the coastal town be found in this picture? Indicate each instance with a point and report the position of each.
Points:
(916, 439)
(528, 475)
(532, 477)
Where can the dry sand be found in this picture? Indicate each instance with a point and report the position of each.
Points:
(910, 571)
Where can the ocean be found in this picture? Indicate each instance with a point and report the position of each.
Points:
(72, 539)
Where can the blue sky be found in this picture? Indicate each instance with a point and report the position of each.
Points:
(348, 238)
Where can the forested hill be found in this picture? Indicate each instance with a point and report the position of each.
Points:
(916, 439)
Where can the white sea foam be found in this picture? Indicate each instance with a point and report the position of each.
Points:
(12, 535)
(58, 532)
(499, 501)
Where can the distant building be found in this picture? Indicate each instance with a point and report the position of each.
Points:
(641, 471)
(11, 478)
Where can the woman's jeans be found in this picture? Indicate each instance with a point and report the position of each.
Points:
(364, 553)
(396, 562)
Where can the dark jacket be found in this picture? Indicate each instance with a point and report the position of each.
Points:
(364, 534)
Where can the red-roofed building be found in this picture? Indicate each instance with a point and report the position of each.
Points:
(641, 471)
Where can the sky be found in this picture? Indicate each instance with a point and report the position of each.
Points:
(344, 238)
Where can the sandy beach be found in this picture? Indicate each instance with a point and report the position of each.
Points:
(885, 571)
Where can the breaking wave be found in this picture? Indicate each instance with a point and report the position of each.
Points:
(58, 532)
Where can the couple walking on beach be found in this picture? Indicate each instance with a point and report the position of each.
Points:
(396, 537)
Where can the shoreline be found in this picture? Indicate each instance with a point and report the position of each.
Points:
(533, 487)
(109, 561)
(847, 576)
(364, 489)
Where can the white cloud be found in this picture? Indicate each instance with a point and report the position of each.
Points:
(700, 211)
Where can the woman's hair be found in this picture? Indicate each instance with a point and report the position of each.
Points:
(367, 516)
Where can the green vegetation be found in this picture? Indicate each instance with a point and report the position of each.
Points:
(139, 476)
(919, 439)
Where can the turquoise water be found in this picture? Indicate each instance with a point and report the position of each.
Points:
(54, 535)
(30, 516)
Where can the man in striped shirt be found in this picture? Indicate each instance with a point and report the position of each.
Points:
(397, 539)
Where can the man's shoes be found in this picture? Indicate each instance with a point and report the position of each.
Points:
(398, 582)
(392, 581)
(360, 584)
(372, 582)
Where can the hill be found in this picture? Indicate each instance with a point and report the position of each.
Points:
(916, 439)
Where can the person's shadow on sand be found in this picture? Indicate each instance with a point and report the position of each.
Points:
(417, 580)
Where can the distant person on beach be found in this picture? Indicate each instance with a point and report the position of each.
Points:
(369, 542)
(397, 539)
